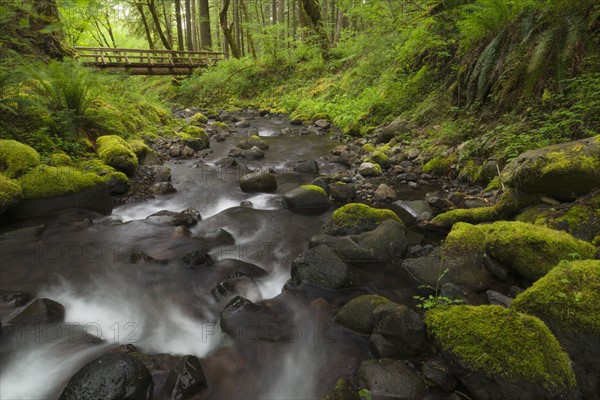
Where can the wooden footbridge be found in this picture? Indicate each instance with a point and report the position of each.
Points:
(147, 62)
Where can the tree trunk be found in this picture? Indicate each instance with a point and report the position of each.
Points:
(46, 13)
(147, 31)
(205, 35)
(156, 20)
(168, 25)
(274, 12)
(179, 21)
(227, 30)
(188, 26)
(250, 41)
(311, 8)
(195, 37)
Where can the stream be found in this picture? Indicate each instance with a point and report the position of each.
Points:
(291, 350)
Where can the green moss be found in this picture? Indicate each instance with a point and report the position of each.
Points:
(192, 132)
(118, 175)
(349, 214)
(561, 162)
(501, 342)
(10, 192)
(439, 165)
(139, 147)
(569, 295)
(464, 238)
(321, 115)
(470, 171)
(96, 166)
(58, 159)
(495, 184)
(596, 241)
(45, 181)
(221, 125)
(532, 250)
(255, 137)
(510, 203)
(298, 116)
(576, 216)
(314, 188)
(198, 119)
(16, 158)
(368, 148)
(116, 152)
(380, 158)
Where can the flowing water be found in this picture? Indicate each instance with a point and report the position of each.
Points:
(83, 261)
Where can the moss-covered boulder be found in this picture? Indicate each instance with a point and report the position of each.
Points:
(502, 354)
(532, 250)
(369, 169)
(462, 258)
(253, 141)
(194, 137)
(307, 199)
(567, 299)
(438, 166)
(357, 314)
(115, 151)
(563, 171)
(49, 189)
(321, 267)
(16, 158)
(198, 119)
(342, 390)
(356, 218)
(581, 218)
(10, 193)
(509, 204)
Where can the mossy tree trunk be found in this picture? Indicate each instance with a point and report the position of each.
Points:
(228, 30)
(313, 12)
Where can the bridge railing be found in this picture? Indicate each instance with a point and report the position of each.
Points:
(112, 56)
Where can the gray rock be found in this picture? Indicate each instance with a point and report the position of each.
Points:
(323, 124)
(385, 193)
(438, 200)
(438, 373)
(408, 176)
(253, 141)
(185, 380)
(261, 181)
(28, 232)
(457, 292)
(114, 376)
(306, 199)
(321, 267)
(40, 312)
(498, 270)
(253, 154)
(391, 379)
(344, 192)
(322, 183)
(410, 211)
(307, 167)
(187, 218)
(235, 152)
(498, 299)
(242, 124)
(403, 328)
(368, 169)
(14, 299)
(357, 314)
(162, 173)
(162, 188)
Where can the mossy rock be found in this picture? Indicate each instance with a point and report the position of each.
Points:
(380, 158)
(368, 148)
(462, 257)
(502, 354)
(342, 390)
(532, 250)
(115, 151)
(308, 199)
(194, 137)
(356, 218)
(569, 296)
(45, 181)
(438, 166)
(17, 158)
(10, 193)
(564, 171)
(581, 218)
(357, 313)
(60, 159)
(509, 204)
(198, 119)
(567, 299)
(139, 147)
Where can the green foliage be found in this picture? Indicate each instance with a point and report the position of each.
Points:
(16, 158)
(435, 300)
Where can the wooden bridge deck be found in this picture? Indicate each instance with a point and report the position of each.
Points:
(147, 62)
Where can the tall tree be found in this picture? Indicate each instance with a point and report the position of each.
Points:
(228, 30)
(179, 21)
(313, 12)
(147, 29)
(188, 26)
(156, 19)
(205, 35)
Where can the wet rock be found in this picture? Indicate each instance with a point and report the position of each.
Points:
(386, 242)
(385, 193)
(113, 376)
(456, 292)
(28, 232)
(408, 176)
(196, 259)
(322, 124)
(188, 152)
(344, 192)
(438, 200)
(308, 199)
(321, 267)
(227, 162)
(357, 313)
(411, 211)
(343, 390)
(242, 124)
(563, 171)
(401, 327)
(246, 203)
(117, 186)
(426, 269)
(187, 218)
(253, 141)
(323, 184)
(307, 167)
(253, 154)
(390, 379)
(475, 203)
(162, 173)
(185, 380)
(498, 270)
(368, 169)
(14, 299)
(261, 181)
(40, 311)
(235, 152)
(162, 188)
(356, 218)
(498, 299)
(388, 133)
(438, 373)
